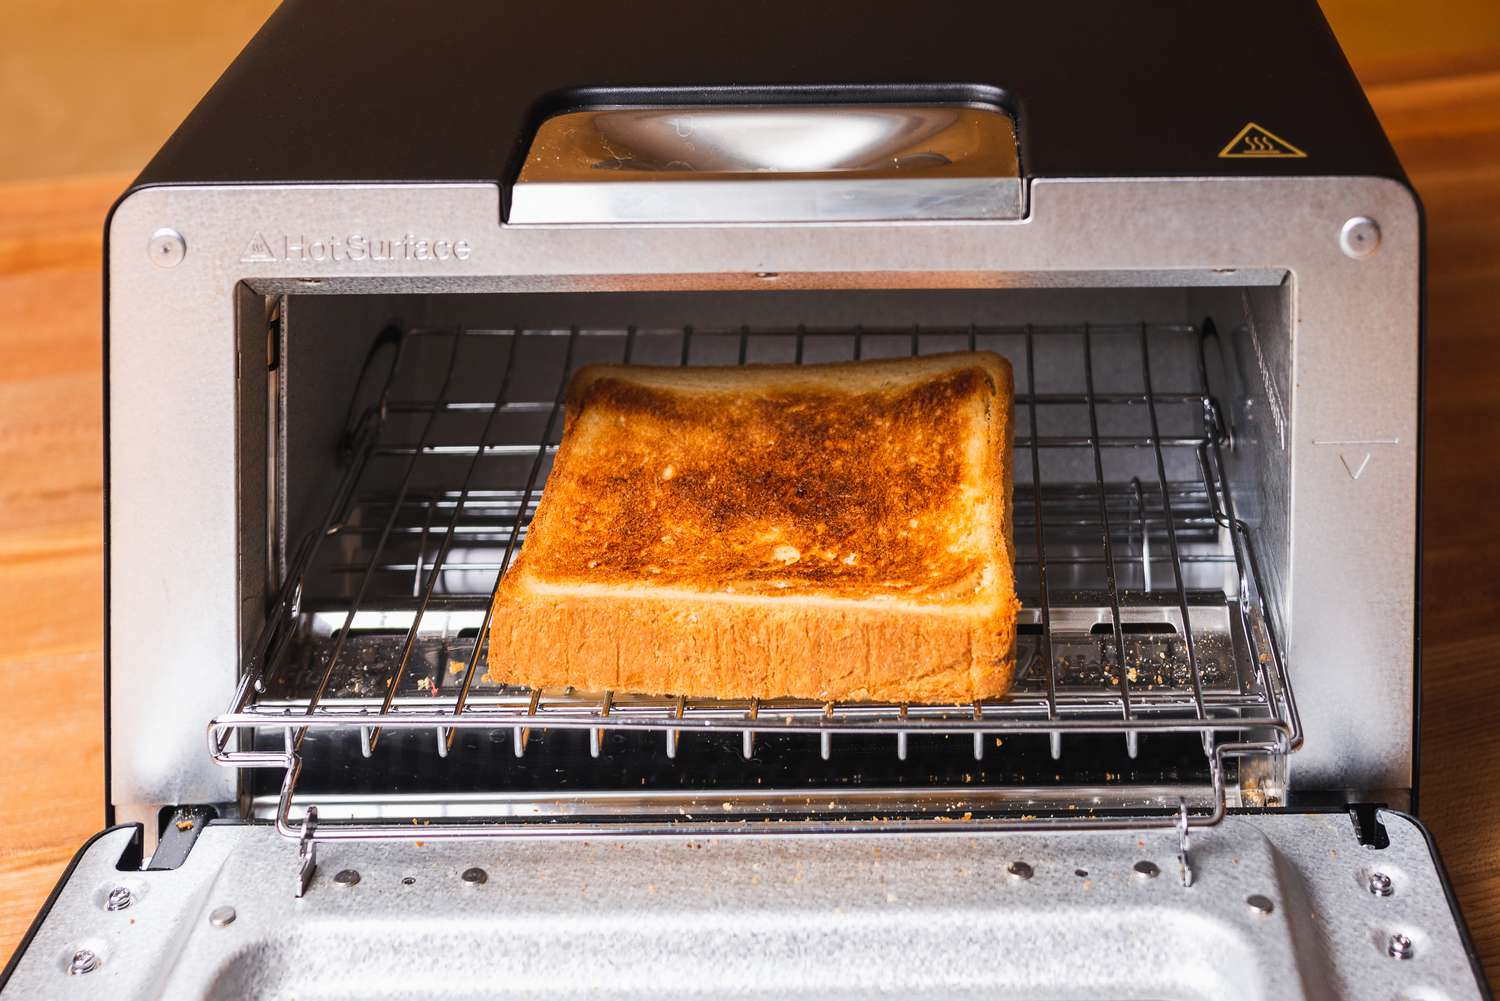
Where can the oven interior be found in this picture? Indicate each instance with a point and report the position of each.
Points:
(393, 448)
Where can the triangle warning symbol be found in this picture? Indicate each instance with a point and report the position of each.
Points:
(258, 252)
(1255, 142)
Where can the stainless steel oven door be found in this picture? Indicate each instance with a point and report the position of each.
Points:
(1285, 906)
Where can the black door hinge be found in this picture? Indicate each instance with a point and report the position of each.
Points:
(1367, 826)
(179, 834)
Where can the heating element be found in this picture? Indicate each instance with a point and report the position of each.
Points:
(1126, 539)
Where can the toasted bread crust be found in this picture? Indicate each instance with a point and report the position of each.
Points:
(831, 532)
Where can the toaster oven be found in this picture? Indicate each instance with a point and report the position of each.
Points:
(343, 303)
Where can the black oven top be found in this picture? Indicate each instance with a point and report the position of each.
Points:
(387, 90)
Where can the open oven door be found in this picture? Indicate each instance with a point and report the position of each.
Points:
(1264, 905)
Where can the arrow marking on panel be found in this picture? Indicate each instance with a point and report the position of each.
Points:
(1354, 472)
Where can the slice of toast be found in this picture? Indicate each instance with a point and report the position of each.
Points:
(831, 532)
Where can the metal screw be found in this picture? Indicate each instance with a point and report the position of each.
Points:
(346, 877)
(83, 961)
(119, 898)
(1020, 870)
(474, 876)
(1381, 885)
(1260, 904)
(1360, 237)
(1400, 947)
(166, 248)
(221, 916)
(1146, 870)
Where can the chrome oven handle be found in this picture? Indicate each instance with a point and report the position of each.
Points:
(761, 163)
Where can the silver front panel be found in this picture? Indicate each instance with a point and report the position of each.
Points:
(1280, 910)
(1349, 581)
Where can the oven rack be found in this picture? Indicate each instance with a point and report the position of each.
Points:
(1081, 544)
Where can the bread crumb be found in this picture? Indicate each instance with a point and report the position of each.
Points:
(184, 825)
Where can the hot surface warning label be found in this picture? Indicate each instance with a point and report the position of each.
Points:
(1254, 141)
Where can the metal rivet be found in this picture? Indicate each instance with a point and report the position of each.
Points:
(1146, 870)
(1381, 884)
(1260, 904)
(475, 876)
(346, 877)
(408, 880)
(1400, 947)
(166, 248)
(219, 917)
(119, 898)
(1359, 237)
(1020, 870)
(83, 961)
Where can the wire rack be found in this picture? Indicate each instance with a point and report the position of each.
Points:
(1143, 609)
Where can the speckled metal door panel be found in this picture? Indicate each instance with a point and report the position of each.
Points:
(1281, 907)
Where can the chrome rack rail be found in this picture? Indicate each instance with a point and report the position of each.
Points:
(1144, 611)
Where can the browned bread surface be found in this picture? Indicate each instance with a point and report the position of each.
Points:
(825, 531)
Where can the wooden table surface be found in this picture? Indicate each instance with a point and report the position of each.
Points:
(1445, 121)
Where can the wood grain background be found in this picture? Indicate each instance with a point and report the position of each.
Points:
(94, 88)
